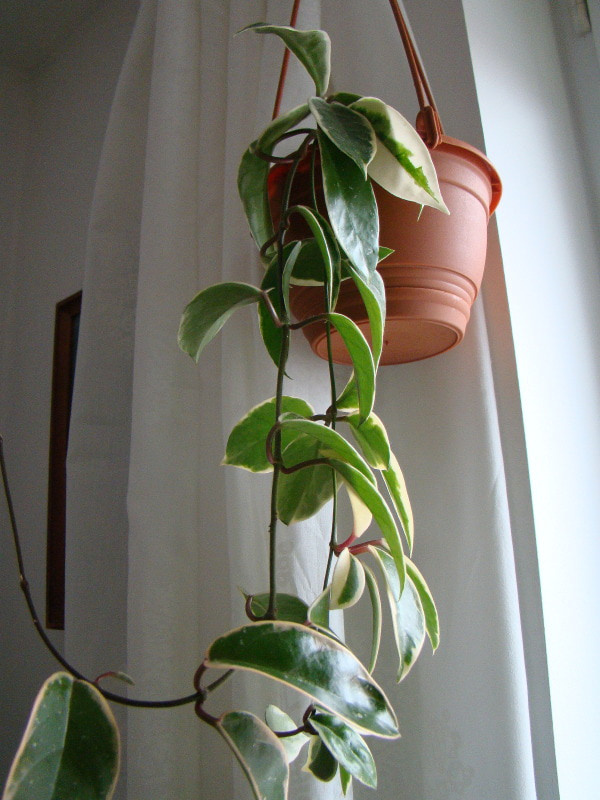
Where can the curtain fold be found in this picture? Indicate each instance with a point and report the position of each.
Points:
(149, 429)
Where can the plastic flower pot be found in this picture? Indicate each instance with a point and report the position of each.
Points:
(434, 274)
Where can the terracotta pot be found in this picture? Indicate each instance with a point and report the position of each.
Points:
(435, 272)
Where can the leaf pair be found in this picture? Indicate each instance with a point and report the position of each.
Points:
(335, 745)
(413, 611)
(350, 703)
(312, 663)
(338, 744)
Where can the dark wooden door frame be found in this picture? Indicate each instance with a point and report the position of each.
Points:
(66, 328)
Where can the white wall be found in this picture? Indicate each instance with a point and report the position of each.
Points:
(547, 220)
(51, 128)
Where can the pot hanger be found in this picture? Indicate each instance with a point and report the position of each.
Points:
(428, 124)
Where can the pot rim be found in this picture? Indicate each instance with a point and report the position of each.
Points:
(450, 144)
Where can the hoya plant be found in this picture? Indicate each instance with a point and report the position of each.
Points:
(317, 458)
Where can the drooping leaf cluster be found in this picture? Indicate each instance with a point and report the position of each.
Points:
(311, 456)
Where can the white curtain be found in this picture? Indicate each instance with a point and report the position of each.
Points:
(149, 427)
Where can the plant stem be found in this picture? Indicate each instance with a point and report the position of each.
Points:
(333, 411)
(24, 584)
(283, 357)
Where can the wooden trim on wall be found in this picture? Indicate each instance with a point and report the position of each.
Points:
(66, 330)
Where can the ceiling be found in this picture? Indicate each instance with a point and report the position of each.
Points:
(31, 29)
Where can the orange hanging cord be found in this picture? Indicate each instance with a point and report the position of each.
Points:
(428, 124)
(284, 63)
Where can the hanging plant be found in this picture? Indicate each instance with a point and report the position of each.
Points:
(314, 457)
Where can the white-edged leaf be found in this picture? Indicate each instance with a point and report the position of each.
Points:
(408, 618)
(286, 275)
(345, 780)
(206, 314)
(372, 292)
(351, 207)
(253, 174)
(311, 48)
(319, 761)
(332, 444)
(272, 334)
(318, 612)
(396, 485)
(373, 589)
(313, 663)
(348, 581)
(326, 243)
(432, 623)
(279, 126)
(259, 753)
(346, 746)
(70, 748)
(279, 721)
(302, 493)
(372, 438)
(349, 131)
(361, 514)
(370, 495)
(402, 163)
(362, 361)
(246, 443)
(287, 606)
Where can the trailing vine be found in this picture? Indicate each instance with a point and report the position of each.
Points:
(289, 638)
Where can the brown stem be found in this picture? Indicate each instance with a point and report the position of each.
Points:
(24, 584)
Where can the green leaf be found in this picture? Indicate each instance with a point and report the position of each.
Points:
(280, 125)
(288, 268)
(279, 721)
(396, 485)
(384, 252)
(432, 623)
(70, 748)
(373, 296)
(246, 443)
(312, 663)
(349, 131)
(362, 361)
(402, 163)
(301, 494)
(346, 746)
(311, 48)
(376, 608)
(288, 607)
(372, 291)
(309, 269)
(345, 780)
(320, 762)
(326, 243)
(259, 753)
(351, 207)
(253, 173)
(407, 613)
(332, 444)
(204, 317)
(361, 515)
(372, 439)
(348, 582)
(272, 335)
(318, 613)
(370, 495)
(345, 98)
